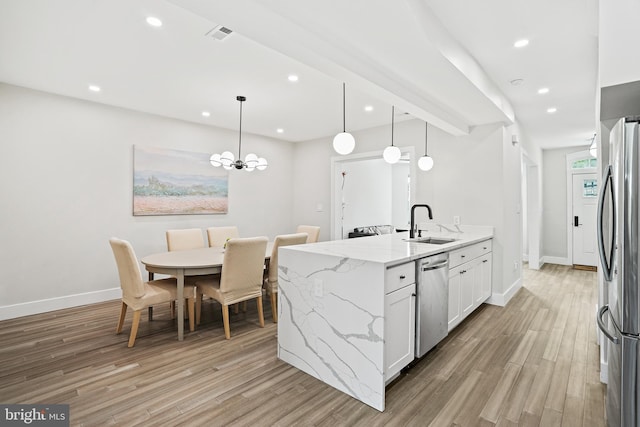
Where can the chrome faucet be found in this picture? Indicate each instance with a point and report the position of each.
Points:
(413, 218)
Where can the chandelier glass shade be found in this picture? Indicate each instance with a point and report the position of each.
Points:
(227, 159)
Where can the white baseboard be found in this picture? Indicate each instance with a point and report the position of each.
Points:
(502, 299)
(525, 257)
(58, 303)
(556, 260)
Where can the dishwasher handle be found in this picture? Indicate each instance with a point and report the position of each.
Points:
(441, 264)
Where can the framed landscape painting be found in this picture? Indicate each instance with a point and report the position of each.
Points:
(172, 182)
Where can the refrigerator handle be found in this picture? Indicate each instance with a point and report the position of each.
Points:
(603, 328)
(607, 264)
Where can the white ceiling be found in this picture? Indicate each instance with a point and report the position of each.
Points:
(445, 61)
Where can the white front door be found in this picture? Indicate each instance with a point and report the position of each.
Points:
(585, 206)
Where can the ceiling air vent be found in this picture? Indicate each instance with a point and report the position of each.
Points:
(220, 32)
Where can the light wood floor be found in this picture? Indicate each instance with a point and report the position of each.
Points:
(532, 363)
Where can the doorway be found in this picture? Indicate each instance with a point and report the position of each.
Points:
(582, 201)
(367, 191)
(531, 213)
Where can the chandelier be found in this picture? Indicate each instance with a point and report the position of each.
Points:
(228, 161)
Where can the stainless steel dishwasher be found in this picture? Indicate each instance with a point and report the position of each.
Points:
(432, 302)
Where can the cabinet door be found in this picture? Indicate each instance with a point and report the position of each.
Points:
(485, 277)
(455, 279)
(467, 281)
(476, 272)
(399, 329)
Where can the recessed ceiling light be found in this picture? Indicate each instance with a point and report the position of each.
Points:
(94, 88)
(293, 78)
(543, 90)
(517, 82)
(154, 22)
(368, 108)
(552, 110)
(279, 130)
(206, 114)
(521, 43)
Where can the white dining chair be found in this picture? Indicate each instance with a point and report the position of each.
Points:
(184, 239)
(181, 240)
(312, 231)
(218, 236)
(271, 275)
(240, 279)
(139, 295)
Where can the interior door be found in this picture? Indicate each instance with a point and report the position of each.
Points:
(585, 207)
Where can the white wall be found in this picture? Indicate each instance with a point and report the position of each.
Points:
(66, 172)
(469, 179)
(618, 41)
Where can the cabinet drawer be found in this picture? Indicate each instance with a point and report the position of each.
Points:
(399, 276)
(485, 247)
(462, 255)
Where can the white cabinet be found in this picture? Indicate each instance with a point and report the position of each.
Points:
(399, 318)
(469, 280)
(454, 313)
(399, 329)
(484, 277)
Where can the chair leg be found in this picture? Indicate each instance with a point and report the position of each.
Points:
(244, 306)
(123, 312)
(225, 321)
(260, 313)
(198, 307)
(190, 309)
(134, 327)
(274, 307)
(236, 308)
(150, 310)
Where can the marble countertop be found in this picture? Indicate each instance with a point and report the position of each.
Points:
(391, 249)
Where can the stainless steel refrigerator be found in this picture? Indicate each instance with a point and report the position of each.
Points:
(618, 240)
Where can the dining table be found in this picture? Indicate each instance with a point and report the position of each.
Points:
(190, 262)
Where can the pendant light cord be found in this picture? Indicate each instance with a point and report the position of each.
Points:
(240, 133)
(344, 114)
(393, 109)
(426, 135)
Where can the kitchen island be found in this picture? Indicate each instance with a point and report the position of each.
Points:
(346, 307)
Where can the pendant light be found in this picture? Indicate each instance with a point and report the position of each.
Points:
(392, 154)
(344, 143)
(226, 159)
(425, 162)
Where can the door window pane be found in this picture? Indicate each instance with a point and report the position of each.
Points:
(589, 188)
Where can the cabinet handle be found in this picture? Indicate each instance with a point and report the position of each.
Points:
(402, 276)
(484, 248)
(485, 260)
(413, 295)
(462, 256)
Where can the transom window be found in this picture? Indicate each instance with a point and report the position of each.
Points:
(584, 163)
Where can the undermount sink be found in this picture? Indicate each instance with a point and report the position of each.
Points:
(431, 240)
